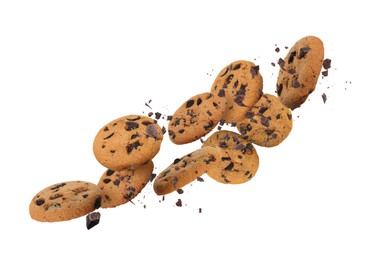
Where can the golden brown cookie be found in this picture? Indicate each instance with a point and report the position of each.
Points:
(186, 169)
(299, 71)
(120, 187)
(241, 84)
(196, 117)
(128, 141)
(65, 201)
(268, 123)
(239, 160)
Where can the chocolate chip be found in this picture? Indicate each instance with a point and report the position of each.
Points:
(58, 186)
(324, 96)
(254, 70)
(150, 114)
(289, 116)
(134, 119)
(249, 114)
(229, 167)
(273, 64)
(325, 73)
(106, 128)
(98, 203)
(292, 71)
(224, 73)
(209, 125)
(265, 121)
(163, 130)
(131, 125)
(292, 56)
(240, 95)
(108, 136)
(152, 131)
(296, 83)
(209, 112)
(135, 136)
(171, 133)
(85, 196)
(237, 66)
(180, 191)
(223, 144)
(40, 202)
(176, 161)
(277, 50)
(200, 179)
(229, 78)
(327, 63)
(106, 180)
(279, 89)
(116, 182)
(169, 117)
(179, 203)
(152, 176)
(189, 103)
(199, 101)
(132, 146)
(221, 93)
(181, 131)
(225, 158)
(303, 52)
(112, 151)
(92, 219)
(262, 110)
(55, 197)
(157, 115)
(109, 172)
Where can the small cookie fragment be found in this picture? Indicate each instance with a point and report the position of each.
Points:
(92, 219)
(268, 123)
(120, 187)
(241, 84)
(128, 141)
(196, 117)
(239, 160)
(300, 71)
(186, 169)
(65, 201)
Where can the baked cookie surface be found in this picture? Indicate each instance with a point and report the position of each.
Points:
(299, 71)
(65, 201)
(186, 169)
(128, 141)
(241, 84)
(196, 117)
(120, 187)
(268, 123)
(239, 160)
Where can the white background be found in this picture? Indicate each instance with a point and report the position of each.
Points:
(69, 67)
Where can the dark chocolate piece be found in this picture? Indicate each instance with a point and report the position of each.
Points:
(92, 219)
(327, 63)
(303, 52)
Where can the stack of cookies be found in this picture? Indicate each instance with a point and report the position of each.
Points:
(127, 145)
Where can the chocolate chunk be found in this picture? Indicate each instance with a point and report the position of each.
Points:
(163, 130)
(221, 93)
(237, 66)
(209, 125)
(273, 64)
(277, 49)
(324, 96)
(209, 112)
(150, 114)
(109, 172)
(296, 83)
(169, 117)
(116, 182)
(200, 179)
(327, 64)
(229, 167)
(279, 89)
(254, 70)
(152, 176)
(181, 131)
(262, 110)
(108, 136)
(58, 186)
(223, 144)
(98, 203)
(325, 73)
(40, 202)
(132, 146)
(281, 62)
(292, 56)
(157, 115)
(240, 95)
(229, 78)
(303, 52)
(265, 121)
(171, 133)
(179, 203)
(249, 114)
(92, 219)
(131, 125)
(292, 71)
(180, 191)
(199, 101)
(189, 103)
(152, 131)
(176, 161)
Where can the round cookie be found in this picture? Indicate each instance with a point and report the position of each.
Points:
(120, 187)
(196, 118)
(186, 169)
(128, 141)
(239, 160)
(241, 84)
(299, 71)
(268, 123)
(65, 201)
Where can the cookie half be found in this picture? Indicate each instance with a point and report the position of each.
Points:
(186, 169)
(239, 160)
(268, 123)
(120, 187)
(65, 201)
(299, 71)
(196, 117)
(241, 84)
(128, 141)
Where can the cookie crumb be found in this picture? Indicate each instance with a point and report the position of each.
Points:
(179, 203)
